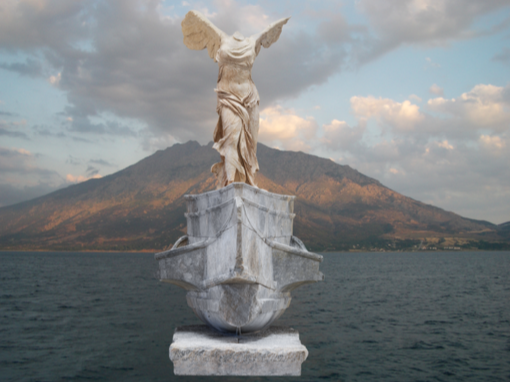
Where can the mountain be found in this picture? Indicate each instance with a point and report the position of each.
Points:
(142, 207)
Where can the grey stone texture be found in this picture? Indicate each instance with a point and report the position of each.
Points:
(239, 261)
(200, 350)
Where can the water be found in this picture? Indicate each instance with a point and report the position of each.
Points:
(376, 317)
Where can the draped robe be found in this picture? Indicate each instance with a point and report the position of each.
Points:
(236, 133)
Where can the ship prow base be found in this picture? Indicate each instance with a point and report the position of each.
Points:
(239, 261)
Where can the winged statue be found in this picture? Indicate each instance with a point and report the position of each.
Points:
(236, 133)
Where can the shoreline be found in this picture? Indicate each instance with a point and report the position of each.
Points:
(339, 251)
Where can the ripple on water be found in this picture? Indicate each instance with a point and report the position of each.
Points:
(377, 317)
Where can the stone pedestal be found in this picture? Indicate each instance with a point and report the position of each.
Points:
(239, 261)
(200, 350)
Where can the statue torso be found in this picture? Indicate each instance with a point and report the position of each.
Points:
(235, 59)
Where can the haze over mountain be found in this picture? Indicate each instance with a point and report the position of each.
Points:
(142, 207)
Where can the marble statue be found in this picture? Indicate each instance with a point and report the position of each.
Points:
(236, 133)
(239, 261)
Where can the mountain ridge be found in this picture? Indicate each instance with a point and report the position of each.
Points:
(142, 206)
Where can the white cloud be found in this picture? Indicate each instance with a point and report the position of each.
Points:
(448, 159)
(492, 142)
(23, 152)
(55, 80)
(400, 116)
(484, 107)
(285, 128)
(395, 171)
(339, 135)
(445, 145)
(152, 142)
(80, 178)
(435, 89)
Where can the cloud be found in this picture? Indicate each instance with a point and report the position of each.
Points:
(286, 129)
(80, 178)
(12, 134)
(434, 89)
(336, 29)
(55, 80)
(400, 116)
(453, 153)
(152, 142)
(424, 22)
(124, 58)
(35, 24)
(503, 56)
(30, 67)
(74, 161)
(102, 162)
(48, 131)
(7, 114)
(21, 178)
(79, 122)
(446, 153)
(13, 160)
(11, 195)
(492, 143)
(7, 127)
(483, 107)
(339, 135)
(91, 171)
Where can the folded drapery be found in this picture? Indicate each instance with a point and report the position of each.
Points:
(234, 138)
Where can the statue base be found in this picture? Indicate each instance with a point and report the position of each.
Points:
(239, 261)
(200, 350)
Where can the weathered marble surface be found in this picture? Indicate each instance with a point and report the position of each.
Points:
(199, 350)
(236, 133)
(239, 261)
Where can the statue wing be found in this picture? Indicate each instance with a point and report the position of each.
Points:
(270, 35)
(199, 33)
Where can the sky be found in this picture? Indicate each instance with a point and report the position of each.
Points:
(414, 93)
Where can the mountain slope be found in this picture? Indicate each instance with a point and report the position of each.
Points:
(142, 206)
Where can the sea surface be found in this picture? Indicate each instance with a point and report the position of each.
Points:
(441, 316)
